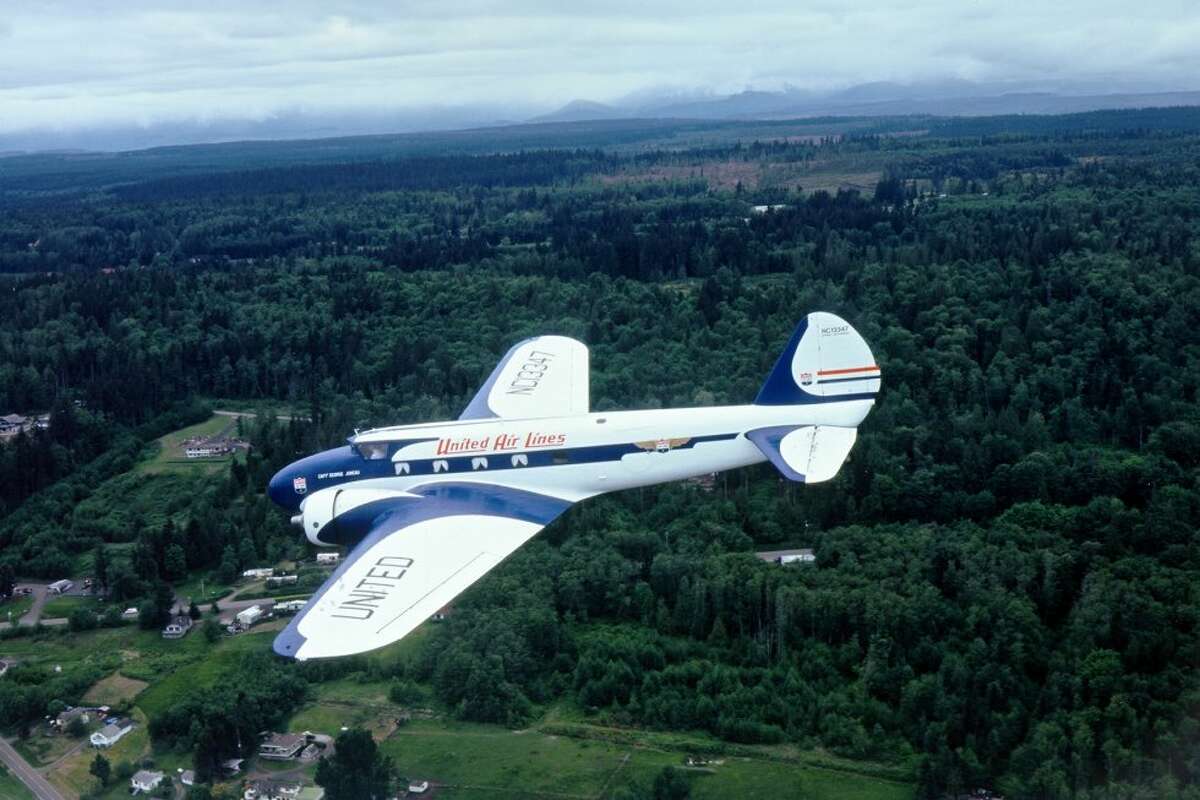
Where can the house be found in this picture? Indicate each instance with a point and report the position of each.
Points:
(261, 572)
(178, 627)
(290, 606)
(282, 580)
(60, 587)
(129, 613)
(65, 717)
(248, 616)
(12, 422)
(205, 450)
(145, 781)
(282, 746)
(232, 766)
(328, 558)
(111, 734)
(273, 790)
(801, 556)
(418, 787)
(187, 778)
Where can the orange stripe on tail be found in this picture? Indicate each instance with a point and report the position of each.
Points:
(847, 371)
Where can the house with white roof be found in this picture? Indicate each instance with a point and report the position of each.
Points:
(145, 780)
(111, 734)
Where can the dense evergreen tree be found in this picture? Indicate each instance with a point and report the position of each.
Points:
(356, 770)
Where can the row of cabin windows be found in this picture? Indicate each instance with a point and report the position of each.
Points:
(481, 462)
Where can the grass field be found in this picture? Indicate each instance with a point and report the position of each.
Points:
(202, 591)
(63, 606)
(168, 453)
(491, 758)
(40, 750)
(489, 761)
(11, 788)
(114, 689)
(17, 606)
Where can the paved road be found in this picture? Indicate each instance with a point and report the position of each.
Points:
(29, 776)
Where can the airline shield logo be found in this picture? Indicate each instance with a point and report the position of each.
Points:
(806, 378)
(300, 485)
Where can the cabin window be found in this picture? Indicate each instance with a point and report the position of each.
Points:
(520, 460)
(479, 463)
(440, 466)
(601, 421)
(560, 457)
(373, 451)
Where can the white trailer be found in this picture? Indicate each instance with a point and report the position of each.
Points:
(248, 616)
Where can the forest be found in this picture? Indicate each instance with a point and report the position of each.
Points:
(1008, 567)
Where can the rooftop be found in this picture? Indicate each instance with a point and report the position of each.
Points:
(775, 555)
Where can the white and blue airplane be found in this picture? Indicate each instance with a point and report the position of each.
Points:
(429, 509)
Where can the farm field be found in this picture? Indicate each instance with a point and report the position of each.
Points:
(485, 760)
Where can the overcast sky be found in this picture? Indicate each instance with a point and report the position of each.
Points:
(79, 64)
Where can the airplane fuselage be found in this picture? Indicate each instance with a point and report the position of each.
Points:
(571, 458)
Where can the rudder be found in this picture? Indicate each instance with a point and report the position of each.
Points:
(825, 361)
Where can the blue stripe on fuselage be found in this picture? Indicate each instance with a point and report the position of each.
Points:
(342, 465)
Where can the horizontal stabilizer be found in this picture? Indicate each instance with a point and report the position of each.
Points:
(810, 454)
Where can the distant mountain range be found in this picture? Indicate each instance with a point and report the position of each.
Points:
(941, 98)
(953, 98)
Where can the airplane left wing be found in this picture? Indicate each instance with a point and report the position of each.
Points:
(422, 551)
(546, 376)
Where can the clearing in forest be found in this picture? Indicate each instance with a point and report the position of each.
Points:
(113, 689)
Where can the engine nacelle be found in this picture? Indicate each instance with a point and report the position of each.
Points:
(321, 508)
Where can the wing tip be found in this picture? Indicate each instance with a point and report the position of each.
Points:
(289, 643)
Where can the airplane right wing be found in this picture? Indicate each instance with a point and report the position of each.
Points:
(546, 376)
(422, 552)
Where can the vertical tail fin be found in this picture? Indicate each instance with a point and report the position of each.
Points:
(825, 361)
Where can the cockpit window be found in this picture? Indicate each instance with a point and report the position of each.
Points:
(372, 451)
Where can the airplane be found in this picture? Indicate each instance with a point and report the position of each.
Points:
(427, 510)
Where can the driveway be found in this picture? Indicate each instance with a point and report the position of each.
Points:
(34, 615)
(39, 600)
(29, 776)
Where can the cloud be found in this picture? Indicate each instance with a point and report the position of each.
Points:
(78, 64)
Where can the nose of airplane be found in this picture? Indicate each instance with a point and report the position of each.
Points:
(281, 490)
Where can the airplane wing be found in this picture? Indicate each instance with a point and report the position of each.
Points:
(422, 552)
(546, 376)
